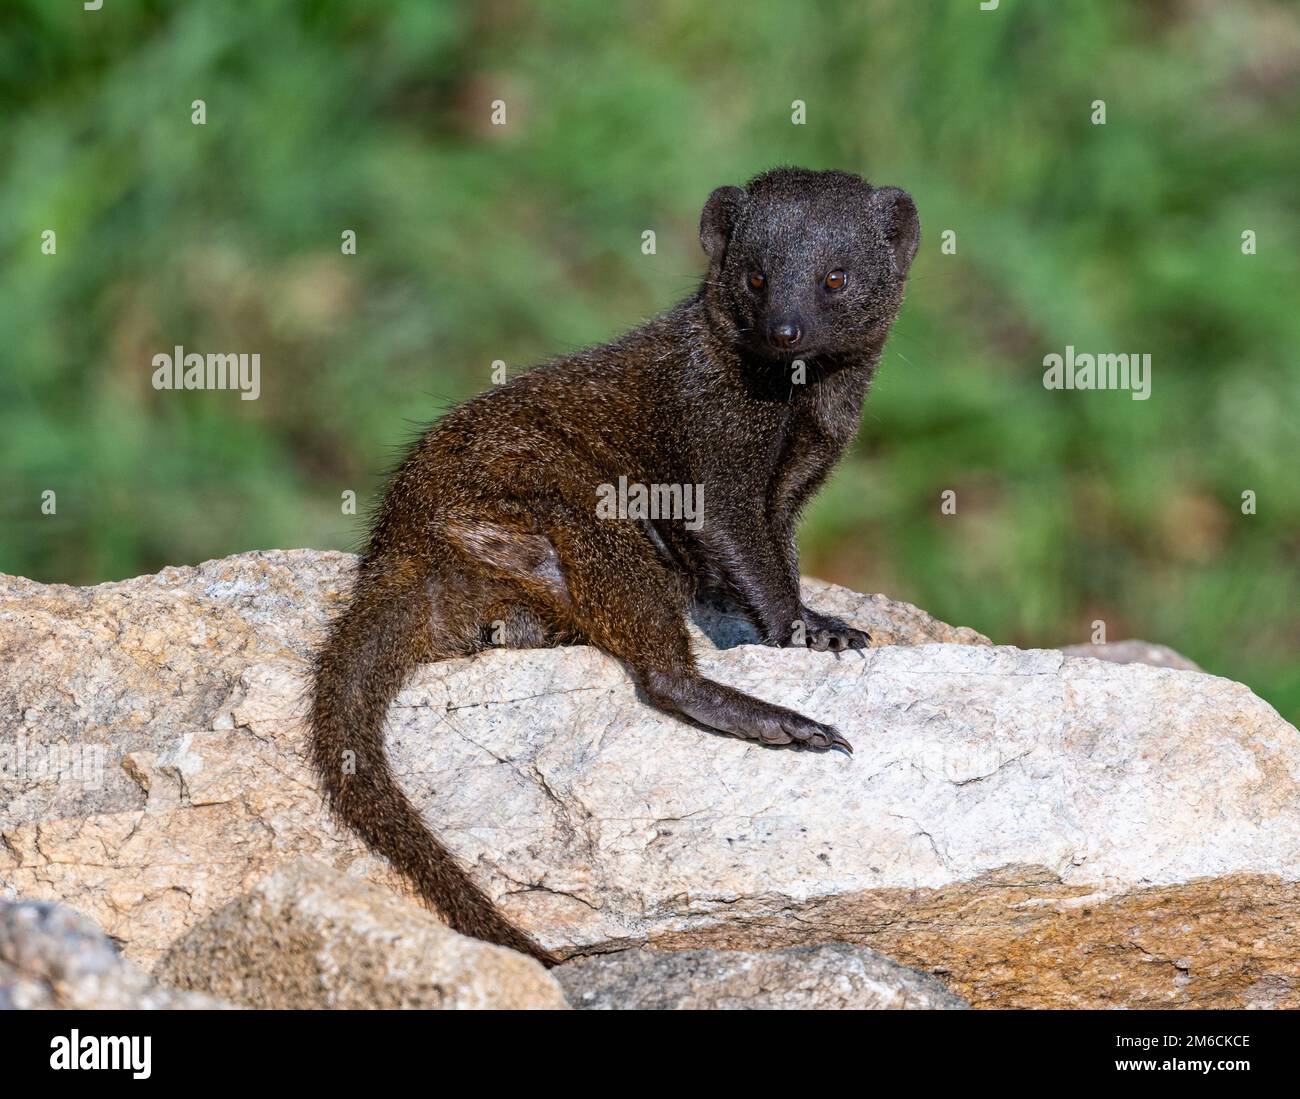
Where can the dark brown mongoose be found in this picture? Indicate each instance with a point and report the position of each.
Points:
(751, 388)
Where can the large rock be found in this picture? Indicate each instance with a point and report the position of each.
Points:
(152, 764)
(310, 937)
(1036, 829)
(834, 976)
(52, 957)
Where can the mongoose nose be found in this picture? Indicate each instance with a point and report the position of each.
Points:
(785, 335)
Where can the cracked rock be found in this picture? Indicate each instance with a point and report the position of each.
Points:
(1034, 828)
(310, 937)
(835, 976)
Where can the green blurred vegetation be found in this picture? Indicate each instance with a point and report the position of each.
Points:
(478, 243)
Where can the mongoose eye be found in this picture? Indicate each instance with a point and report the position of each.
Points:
(836, 280)
(757, 280)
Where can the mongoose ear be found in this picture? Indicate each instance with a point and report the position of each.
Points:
(718, 219)
(902, 224)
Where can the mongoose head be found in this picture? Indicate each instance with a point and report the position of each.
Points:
(805, 263)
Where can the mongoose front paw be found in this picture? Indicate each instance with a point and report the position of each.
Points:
(787, 727)
(825, 633)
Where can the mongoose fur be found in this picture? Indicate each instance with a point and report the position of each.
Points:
(491, 517)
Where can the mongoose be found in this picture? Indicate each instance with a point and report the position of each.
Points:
(489, 533)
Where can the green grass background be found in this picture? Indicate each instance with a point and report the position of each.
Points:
(478, 243)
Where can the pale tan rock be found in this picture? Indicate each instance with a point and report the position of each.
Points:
(309, 937)
(802, 978)
(53, 958)
(1134, 652)
(1038, 830)
(175, 695)
(198, 793)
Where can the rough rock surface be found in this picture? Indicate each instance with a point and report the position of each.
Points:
(1035, 829)
(1134, 652)
(51, 957)
(310, 937)
(152, 768)
(803, 977)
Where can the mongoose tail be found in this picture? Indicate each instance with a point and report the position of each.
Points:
(371, 648)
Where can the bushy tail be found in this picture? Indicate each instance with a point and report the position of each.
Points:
(371, 649)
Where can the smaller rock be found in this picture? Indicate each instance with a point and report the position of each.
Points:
(836, 975)
(1134, 652)
(54, 958)
(308, 936)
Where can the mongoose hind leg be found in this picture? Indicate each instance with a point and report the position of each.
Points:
(524, 601)
(625, 601)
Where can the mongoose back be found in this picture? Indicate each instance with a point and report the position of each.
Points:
(750, 389)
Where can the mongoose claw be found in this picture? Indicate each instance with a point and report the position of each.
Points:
(837, 741)
(812, 734)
